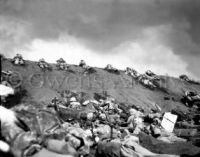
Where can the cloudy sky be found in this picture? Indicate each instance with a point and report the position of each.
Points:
(161, 35)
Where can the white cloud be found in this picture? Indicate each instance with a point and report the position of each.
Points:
(13, 33)
(156, 58)
(146, 53)
(139, 55)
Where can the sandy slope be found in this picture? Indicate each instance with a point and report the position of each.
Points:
(43, 86)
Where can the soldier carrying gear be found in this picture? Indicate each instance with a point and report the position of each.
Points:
(152, 76)
(131, 72)
(18, 60)
(61, 60)
(184, 78)
(43, 64)
(150, 73)
(110, 68)
(61, 64)
(88, 69)
(188, 79)
(82, 64)
(146, 81)
(128, 71)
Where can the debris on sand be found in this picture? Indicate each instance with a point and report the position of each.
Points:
(83, 124)
(79, 129)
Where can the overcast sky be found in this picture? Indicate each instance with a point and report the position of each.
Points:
(160, 35)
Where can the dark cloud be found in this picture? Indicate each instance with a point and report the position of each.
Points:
(104, 24)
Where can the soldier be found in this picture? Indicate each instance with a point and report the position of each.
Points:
(43, 64)
(18, 60)
(191, 99)
(128, 71)
(132, 72)
(150, 73)
(109, 67)
(184, 78)
(61, 64)
(82, 64)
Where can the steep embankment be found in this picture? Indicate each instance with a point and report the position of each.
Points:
(44, 85)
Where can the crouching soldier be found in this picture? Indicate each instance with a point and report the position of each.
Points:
(18, 60)
(184, 78)
(43, 64)
(128, 71)
(146, 81)
(88, 69)
(150, 73)
(61, 64)
(110, 68)
(132, 72)
(82, 64)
